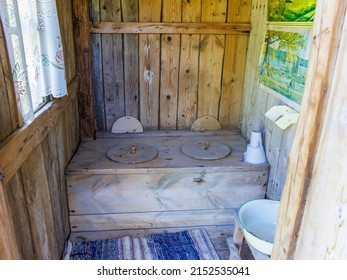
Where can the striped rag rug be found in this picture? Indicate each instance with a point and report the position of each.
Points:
(184, 245)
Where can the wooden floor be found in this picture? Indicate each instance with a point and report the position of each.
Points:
(217, 234)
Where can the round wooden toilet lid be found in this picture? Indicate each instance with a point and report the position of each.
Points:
(206, 150)
(132, 153)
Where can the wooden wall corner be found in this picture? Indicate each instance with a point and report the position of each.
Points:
(83, 58)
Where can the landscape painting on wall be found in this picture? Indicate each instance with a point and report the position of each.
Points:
(291, 10)
(284, 62)
(285, 53)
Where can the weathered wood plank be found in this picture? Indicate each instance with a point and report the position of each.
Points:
(130, 11)
(9, 246)
(217, 234)
(58, 148)
(188, 84)
(220, 230)
(60, 137)
(83, 61)
(235, 59)
(322, 234)
(102, 194)
(112, 54)
(20, 217)
(151, 220)
(157, 27)
(232, 81)
(97, 65)
(21, 143)
(67, 139)
(281, 172)
(149, 60)
(189, 65)
(211, 61)
(58, 205)
(37, 198)
(170, 55)
(273, 145)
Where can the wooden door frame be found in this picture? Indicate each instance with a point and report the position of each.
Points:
(326, 39)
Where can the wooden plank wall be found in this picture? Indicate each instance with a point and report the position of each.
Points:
(33, 185)
(167, 79)
(256, 102)
(37, 194)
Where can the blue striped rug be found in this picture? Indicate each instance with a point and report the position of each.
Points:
(184, 245)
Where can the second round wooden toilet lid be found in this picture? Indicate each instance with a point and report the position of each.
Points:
(206, 150)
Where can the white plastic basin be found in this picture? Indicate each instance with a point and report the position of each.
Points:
(257, 219)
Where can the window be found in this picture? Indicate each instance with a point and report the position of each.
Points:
(36, 54)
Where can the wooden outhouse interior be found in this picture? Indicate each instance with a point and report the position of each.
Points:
(167, 63)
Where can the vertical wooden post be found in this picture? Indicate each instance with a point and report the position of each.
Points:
(9, 249)
(327, 34)
(83, 56)
(323, 230)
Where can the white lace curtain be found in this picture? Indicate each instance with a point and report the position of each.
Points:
(35, 49)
